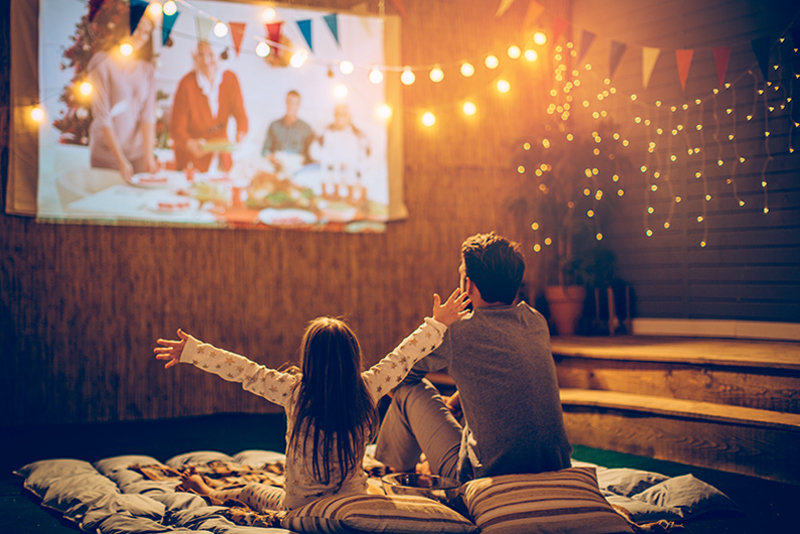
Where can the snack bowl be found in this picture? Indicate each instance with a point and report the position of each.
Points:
(434, 487)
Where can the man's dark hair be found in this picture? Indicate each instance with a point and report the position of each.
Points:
(495, 265)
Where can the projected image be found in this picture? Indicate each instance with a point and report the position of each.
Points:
(213, 113)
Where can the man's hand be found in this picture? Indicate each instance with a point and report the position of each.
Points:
(453, 403)
(171, 350)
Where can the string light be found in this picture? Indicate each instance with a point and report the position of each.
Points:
(269, 14)
(155, 9)
(491, 62)
(470, 109)
(170, 8)
(346, 67)
(407, 77)
(37, 114)
(384, 111)
(503, 86)
(85, 88)
(220, 29)
(262, 49)
(376, 76)
(467, 69)
(539, 38)
(531, 55)
(340, 91)
(299, 58)
(428, 119)
(126, 49)
(436, 75)
(514, 52)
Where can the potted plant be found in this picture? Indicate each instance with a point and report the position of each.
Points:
(569, 177)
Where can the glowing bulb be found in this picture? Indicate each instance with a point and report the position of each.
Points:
(170, 8)
(491, 62)
(346, 67)
(650, 210)
(513, 52)
(535, 226)
(531, 55)
(470, 109)
(467, 69)
(375, 76)
(590, 213)
(384, 111)
(599, 236)
(539, 38)
(526, 146)
(155, 9)
(666, 225)
(436, 75)
(262, 49)
(428, 119)
(340, 91)
(126, 49)
(520, 169)
(269, 14)
(702, 244)
(503, 86)
(537, 247)
(407, 77)
(220, 29)
(620, 192)
(633, 97)
(85, 88)
(298, 59)
(37, 114)
(649, 233)
(587, 66)
(548, 241)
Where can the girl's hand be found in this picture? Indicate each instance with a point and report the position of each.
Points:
(171, 350)
(453, 309)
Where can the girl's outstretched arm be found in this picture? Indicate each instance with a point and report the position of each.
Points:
(171, 350)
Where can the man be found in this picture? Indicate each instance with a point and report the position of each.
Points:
(289, 134)
(501, 361)
(205, 100)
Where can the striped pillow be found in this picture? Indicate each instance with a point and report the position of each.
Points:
(566, 501)
(396, 514)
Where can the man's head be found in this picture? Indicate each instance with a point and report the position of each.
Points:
(292, 103)
(494, 265)
(205, 60)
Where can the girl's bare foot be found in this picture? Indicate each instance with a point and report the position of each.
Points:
(193, 482)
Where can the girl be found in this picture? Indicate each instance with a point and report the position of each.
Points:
(330, 407)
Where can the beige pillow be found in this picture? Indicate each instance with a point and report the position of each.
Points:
(564, 502)
(396, 514)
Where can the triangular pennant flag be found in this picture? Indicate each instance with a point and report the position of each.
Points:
(166, 26)
(684, 59)
(274, 36)
(721, 56)
(761, 50)
(400, 7)
(138, 8)
(559, 27)
(532, 16)
(237, 33)
(363, 9)
(204, 27)
(305, 29)
(94, 7)
(617, 50)
(504, 5)
(587, 38)
(649, 58)
(332, 21)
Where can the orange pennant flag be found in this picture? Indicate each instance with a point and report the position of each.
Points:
(504, 5)
(532, 16)
(684, 59)
(237, 32)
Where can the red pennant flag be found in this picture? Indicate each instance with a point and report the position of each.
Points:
(94, 7)
(400, 6)
(761, 50)
(274, 36)
(721, 56)
(684, 59)
(617, 49)
(559, 27)
(237, 32)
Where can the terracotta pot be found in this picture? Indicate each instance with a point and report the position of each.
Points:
(566, 307)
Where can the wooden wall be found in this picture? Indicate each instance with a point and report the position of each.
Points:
(82, 306)
(748, 269)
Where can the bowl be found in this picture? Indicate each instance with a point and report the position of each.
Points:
(442, 489)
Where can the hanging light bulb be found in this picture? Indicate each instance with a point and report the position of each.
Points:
(491, 62)
(269, 14)
(85, 88)
(428, 119)
(340, 91)
(467, 69)
(384, 111)
(220, 29)
(436, 75)
(298, 59)
(170, 8)
(155, 9)
(513, 52)
(503, 86)
(469, 108)
(346, 67)
(539, 38)
(37, 114)
(126, 49)
(262, 49)
(408, 76)
(531, 55)
(375, 76)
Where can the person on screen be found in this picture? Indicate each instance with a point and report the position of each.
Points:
(342, 149)
(289, 135)
(122, 132)
(205, 100)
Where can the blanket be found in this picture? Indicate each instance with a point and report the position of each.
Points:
(136, 494)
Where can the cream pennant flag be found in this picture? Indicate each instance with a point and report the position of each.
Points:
(504, 5)
(362, 9)
(649, 58)
(204, 27)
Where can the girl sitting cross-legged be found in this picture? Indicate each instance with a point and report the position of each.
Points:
(330, 405)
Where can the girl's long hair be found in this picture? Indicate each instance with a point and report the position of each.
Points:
(335, 413)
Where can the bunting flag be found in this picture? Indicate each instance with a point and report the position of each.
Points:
(166, 26)
(649, 58)
(274, 36)
(684, 59)
(721, 56)
(138, 8)
(305, 29)
(761, 50)
(237, 33)
(94, 7)
(615, 56)
(532, 16)
(400, 6)
(587, 38)
(559, 27)
(504, 5)
(332, 21)
(204, 27)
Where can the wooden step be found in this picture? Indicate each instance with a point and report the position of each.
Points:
(755, 374)
(744, 440)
